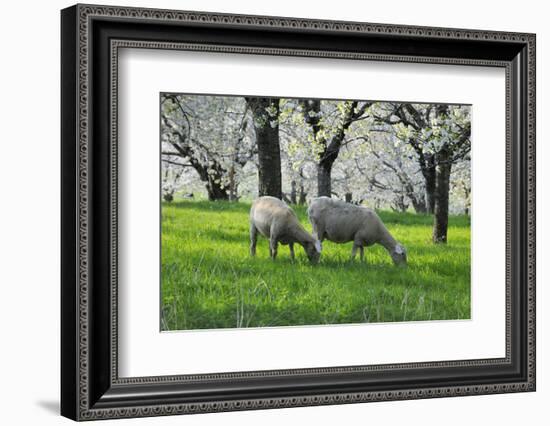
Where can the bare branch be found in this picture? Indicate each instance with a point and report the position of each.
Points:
(175, 163)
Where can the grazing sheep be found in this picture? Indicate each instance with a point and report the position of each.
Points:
(275, 220)
(341, 222)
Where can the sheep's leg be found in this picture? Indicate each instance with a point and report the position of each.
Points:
(357, 245)
(273, 248)
(291, 247)
(253, 239)
(354, 251)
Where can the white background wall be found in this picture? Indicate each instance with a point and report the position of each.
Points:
(29, 213)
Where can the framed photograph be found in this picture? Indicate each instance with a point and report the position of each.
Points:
(263, 212)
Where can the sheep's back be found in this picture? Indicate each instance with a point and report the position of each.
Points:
(342, 224)
(267, 212)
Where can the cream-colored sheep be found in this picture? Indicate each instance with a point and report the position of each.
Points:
(273, 219)
(342, 222)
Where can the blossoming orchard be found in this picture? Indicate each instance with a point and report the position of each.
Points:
(405, 157)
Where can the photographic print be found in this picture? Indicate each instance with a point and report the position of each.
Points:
(287, 212)
(313, 210)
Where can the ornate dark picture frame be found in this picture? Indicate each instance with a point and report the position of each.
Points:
(90, 386)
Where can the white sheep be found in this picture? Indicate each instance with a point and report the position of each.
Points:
(342, 222)
(273, 219)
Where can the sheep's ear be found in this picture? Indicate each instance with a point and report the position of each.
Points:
(318, 246)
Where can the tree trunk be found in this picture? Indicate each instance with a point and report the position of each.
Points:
(467, 192)
(419, 205)
(302, 196)
(441, 209)
(293, 192)
(217, 192)
(400, 204)
(442, 181)
(212, 176)
(430, 181)
(232, 184)
(348, 197)
(265, 113)
(324, 184)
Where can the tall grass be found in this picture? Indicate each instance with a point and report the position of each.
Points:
(210, 281)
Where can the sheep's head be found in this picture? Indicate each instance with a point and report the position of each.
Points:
(313, 250)
(399, 255)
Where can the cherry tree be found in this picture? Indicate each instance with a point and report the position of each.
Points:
(440, 136)
(384, 154)
(329, 122)
(209, 134)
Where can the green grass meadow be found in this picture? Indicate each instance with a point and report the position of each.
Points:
(210, 281)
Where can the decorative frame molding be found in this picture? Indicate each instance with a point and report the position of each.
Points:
(91, 388)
